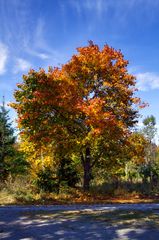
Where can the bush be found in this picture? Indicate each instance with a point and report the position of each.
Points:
(46, 181)
(67, 173)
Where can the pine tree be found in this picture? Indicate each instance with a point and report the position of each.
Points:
(7, 140)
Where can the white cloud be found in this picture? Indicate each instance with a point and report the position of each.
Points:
(147, 81)
(41, 55)
(3, 58)
(21, 65)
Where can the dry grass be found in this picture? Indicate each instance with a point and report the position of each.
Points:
(6, 197)
(77, 196)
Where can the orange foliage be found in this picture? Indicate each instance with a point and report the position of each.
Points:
(91, 95)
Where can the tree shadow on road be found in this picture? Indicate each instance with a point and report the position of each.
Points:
(76, 225)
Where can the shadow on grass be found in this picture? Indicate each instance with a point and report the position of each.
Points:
(57, 225)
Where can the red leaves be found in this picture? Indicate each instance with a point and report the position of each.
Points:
(143, 105)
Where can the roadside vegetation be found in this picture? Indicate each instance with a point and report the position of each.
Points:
(78, 139)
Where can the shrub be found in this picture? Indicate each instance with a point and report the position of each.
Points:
(46, 181)
(67, 173)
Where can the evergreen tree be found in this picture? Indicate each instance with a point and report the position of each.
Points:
(7, 140)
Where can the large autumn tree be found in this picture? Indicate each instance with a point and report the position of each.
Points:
(86, 107)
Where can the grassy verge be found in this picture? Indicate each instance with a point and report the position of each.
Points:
(71, 197)
(21, 191)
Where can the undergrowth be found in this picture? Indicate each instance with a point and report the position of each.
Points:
(21, 190)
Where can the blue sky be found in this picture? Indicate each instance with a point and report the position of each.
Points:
(39, 33)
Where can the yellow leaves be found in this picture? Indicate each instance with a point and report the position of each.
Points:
(137, 145)
(13, 105)
(107, 84)
(38, 158)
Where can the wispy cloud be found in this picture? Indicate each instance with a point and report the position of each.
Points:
(39, 46)
(3, 58)
(15, 23)
(120, 11)
(39, 54)
(21, 65)
(77, 6)
(25, 33)
(147, 81)
(97, 7)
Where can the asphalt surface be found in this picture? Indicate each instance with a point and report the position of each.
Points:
(71, 222)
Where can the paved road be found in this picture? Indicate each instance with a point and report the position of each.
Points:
(71, 222)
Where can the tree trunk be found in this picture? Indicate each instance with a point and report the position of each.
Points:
(87, 169)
